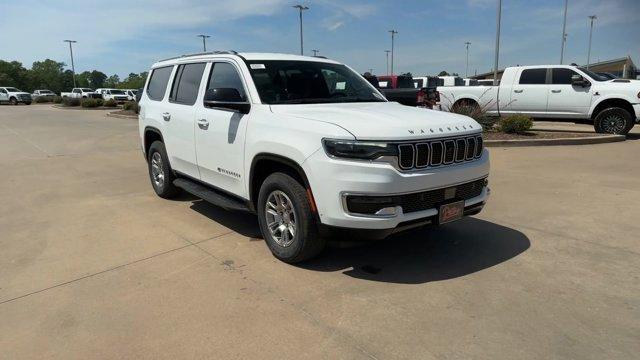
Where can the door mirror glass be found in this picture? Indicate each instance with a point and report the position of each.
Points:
(578, 80)
(226, 98)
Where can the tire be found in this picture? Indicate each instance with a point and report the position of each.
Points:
(13, 101)
(160, 172)
(305, 242)
(28, 103)
(613, 120)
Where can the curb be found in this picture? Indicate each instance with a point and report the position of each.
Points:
(559, 141)
(81, 108)
(119, 116)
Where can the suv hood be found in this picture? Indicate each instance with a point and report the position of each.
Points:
(383, 120)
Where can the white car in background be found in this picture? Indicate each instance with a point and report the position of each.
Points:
(43, 93)
(116, 95)
(14, 96)
(131, 94)
(80, 93)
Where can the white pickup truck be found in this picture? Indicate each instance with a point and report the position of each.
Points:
(555, 92)
(43, 94)
(116, 95)
(14, 96)
(309, 146)
(81, 93)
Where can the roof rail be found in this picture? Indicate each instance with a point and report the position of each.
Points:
(217, 52)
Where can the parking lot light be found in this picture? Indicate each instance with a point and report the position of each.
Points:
(204, 41)
(393, 35)
(387, 53)
(301, 8)
(466, 72)
(564, 31)
(73, 67)
(592, 17)
(495, 65)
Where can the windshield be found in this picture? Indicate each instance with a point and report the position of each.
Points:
(13, 90)
(593, 75)
(46, 92)
(86, 90)
(117, 92)
(307, 82)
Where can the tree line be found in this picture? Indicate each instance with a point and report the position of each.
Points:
(51, 75)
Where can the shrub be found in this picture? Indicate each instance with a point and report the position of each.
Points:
(99, 101)
(57, 99)
(41, 99)
(131, 105)
(110, 103)
(475, 112)
(68, 101)
(89, 103)
(515, 124)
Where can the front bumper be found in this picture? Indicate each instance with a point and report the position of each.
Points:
(331, 179)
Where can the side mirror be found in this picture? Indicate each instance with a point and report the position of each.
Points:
(226, 98)
(578, 80)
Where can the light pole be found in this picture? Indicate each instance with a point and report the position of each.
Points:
(301, 8)
(204, 41)
(73, 66)
(393, 35)
(387, 53)
(592, 17)
(315, 52)
(564, 31)
(495, 64)
(466, 72)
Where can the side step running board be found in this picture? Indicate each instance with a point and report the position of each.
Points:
(207, 194)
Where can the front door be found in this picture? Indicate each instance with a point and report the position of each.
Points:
(220, 133)
(566, 99)
(529, 94)
(4, 96)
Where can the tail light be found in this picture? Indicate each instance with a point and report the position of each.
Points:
(420, 97)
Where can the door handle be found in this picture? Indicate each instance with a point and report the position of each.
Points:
(518, 91)
(203, 124)
(166, 116)
(555, 91)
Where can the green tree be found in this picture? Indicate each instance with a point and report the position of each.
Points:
(46, 74)
(14, 74)
(443, 73)
(112, 81)
(82, 79)
(97, 79)
(134, 81)
(66, 80)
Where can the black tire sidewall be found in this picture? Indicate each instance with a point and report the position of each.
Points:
(614, 111)
(305, 242)
(13, 101)
(168, 189)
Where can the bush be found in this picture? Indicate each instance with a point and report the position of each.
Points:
(100, 102)
(89, 103)
(475, 112)
(131, 105)
(68, 101)
(515, 124)
(41, 99)
(57, 99)
(110, 103)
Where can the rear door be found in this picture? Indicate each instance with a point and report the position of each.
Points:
(4, 95)
(220, 133)
(566, 99)
(529, 93)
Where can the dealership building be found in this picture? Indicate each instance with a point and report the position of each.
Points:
(623, 68)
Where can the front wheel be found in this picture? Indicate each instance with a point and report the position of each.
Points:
(13, 101)
(28, 103)
(613, 120)
(287, 222)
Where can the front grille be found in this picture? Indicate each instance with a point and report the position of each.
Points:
(439, 152)
(362, 204)
(24, 97)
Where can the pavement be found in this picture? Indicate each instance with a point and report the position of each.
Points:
(94, 265)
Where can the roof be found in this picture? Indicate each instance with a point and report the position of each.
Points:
(613, 61)
(247, 56)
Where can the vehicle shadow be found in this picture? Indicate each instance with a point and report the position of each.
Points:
(427, 254)
(415, 257)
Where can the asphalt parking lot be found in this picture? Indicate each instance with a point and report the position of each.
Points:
(94, 265)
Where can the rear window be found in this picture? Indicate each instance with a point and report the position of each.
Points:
(187, 83)
(533, 76)
(158, 82)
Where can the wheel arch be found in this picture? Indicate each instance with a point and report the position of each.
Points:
(151, 134)
(612, 102)
(264, 164)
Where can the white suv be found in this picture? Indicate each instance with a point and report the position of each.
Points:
(307, 144)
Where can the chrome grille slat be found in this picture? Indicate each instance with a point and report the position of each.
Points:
(419, 155)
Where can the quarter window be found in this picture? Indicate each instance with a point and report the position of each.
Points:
(562, 76)
(533, 77)
(225, 75)
(187, 83)
(158, 83)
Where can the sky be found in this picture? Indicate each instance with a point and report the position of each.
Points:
(120, 37)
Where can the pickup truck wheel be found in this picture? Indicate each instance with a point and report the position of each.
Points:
(28, 103)
(287, 223)
(613, 120)
(13, 101)
(160, 171)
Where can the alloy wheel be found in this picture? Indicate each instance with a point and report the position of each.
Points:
(157, 172)
(280, 218)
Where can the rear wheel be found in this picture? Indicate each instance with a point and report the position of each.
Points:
(613, 120)
(287, 222)
(160, 171)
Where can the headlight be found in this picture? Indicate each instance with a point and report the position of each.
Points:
(353, 149)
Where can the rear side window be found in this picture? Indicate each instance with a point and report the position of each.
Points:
(224, 75)
(562, 76)
(187, 83)
(533, 76)
(158, 82)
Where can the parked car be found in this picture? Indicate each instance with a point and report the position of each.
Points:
(556, 92)
(81, 93)
(402, 89)
(452, 80)
(116, 95)
(309, 146)
(427, 82)
(14, 96)
(43, 93)
(131, 94)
